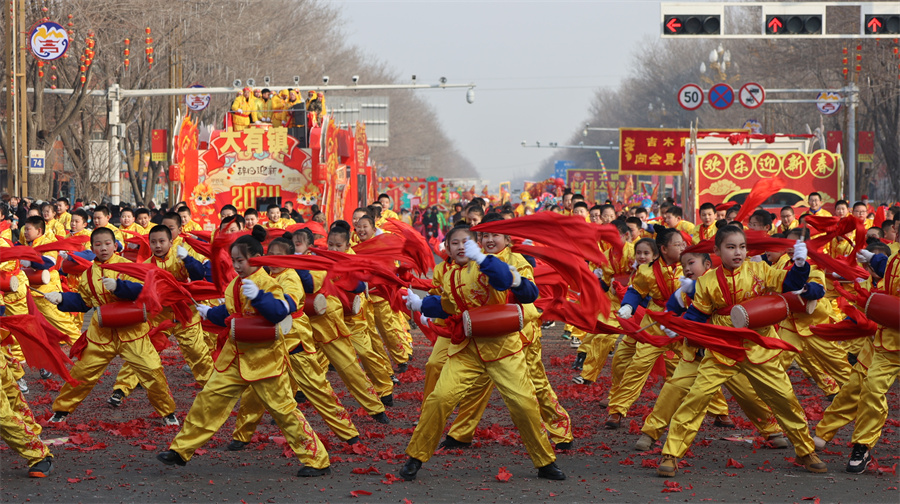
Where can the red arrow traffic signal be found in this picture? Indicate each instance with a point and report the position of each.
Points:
(774, 25)
(873, 25)
(673, 25)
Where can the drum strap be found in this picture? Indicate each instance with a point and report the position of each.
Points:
(726, 291)
(236, 294)
(666, 286)
(100, 300)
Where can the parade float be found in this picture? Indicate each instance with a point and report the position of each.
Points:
(263, 165)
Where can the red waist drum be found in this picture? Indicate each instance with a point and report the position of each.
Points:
(492, 321)
(883, 309)
(797, 304)
(8, 282)
(130, 254)
(258, 329)
(72, 268)
(315, 305)
(355, 306)
(760, 312)
(36, 278)
(121, 314)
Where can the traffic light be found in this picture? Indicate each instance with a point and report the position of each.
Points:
(692, 25)
(790, 24)
(878, 24)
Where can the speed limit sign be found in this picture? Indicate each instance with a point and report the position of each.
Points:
(690, 97)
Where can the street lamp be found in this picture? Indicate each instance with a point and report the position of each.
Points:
(588, 127)
(720, 62)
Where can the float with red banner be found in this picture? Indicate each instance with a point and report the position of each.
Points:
(724, 167)
(262, 166)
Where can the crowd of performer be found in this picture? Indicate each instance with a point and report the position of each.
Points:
(262, 307)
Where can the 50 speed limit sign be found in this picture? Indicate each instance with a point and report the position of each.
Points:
(690, 97)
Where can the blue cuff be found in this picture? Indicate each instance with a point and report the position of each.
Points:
(497, 272)
(526, 292)
(72, 302)
(603, 285)
(813, 291)
(431, 307)
(127, 290)
(217, 315)
(306, 278)
(673, 306)
(292, 305)
(878, 262)
(360, 287)
(695, 315)
(84, 254)
(207, 271)
(631, 298)
(530, 260)
(270, 307)
(795, 278)
(194, 268)
(46, 264)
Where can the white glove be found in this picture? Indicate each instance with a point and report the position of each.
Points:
(679, 297)
(133, 246)
(756, 258)
(836, 275)
(634, 265)
(442, 247)
(109, 284)
(527, 242)
(864, 256)
(63, 255)
(249, 289)
(53, 297)
(423, 320)
(181, 252)
(240, 111)
(626, 311)
(647, 226)
(413, 301)
(687, 285)
(203, 310)
(598, 273)
(670, 333)
(25, 263)
(473, 251)
(800, 252)
(517, 278)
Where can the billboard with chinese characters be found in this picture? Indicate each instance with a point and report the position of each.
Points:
(654, 151)
(723, 177)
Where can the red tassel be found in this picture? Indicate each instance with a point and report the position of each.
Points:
(68, 244)
(20, 253)
(552, 229)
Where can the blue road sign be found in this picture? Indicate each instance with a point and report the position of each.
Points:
(721, 96)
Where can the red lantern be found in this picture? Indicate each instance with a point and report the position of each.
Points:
(127, 41)
(83, 79)
(174, 170)
(406, 185)
(40, 73)
(127, 62)
(82, 68)
(54, 85)
(150, 60)
(147, 29)
(40, 64)
(127, 52)
(70, 16)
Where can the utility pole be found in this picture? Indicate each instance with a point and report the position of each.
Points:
(16, 100)
(175, 81)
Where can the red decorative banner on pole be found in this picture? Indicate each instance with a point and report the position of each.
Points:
(158, 145)
(866, 147)
(655, 151)
(432, 193)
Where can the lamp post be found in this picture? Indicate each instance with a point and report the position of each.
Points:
(720, 63)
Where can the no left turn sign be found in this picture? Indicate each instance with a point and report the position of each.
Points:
(690, 97)
(752, 95)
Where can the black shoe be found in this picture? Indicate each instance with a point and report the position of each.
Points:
(381, 418)
(388, 400)
(566, 335)
(451, 444)
(46, 375)
(859, 459)
(402, 368)
(830, 397)
(565, 446)
(352, 441)
(578, 365)
(312, 472)
(236, 445)
(171, 458)
(41, 469)
(331, 368)
(851, 358)
(300, 397)
(410, 468)
(59, 417)
(551, 472)
(395, 380)
(548, 325)
(115, 400)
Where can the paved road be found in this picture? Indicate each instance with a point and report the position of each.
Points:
(109, 455)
